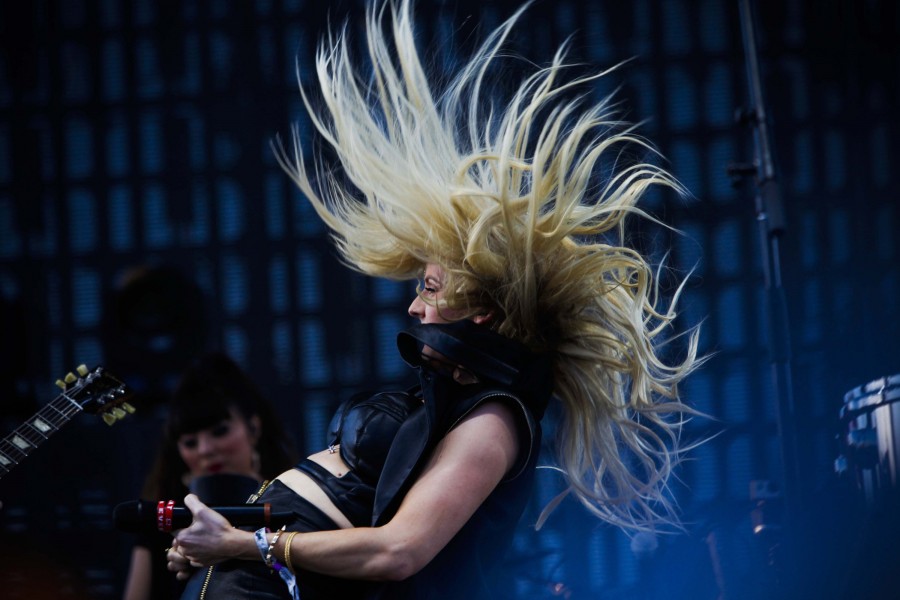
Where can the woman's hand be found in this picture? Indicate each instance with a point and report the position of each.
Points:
(177, 563)
(209, 540)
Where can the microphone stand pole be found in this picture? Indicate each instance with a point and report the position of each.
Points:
(771, 221)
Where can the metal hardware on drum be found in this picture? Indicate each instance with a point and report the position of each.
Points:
(870, 440)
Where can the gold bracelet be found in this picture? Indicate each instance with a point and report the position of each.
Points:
(287, 551)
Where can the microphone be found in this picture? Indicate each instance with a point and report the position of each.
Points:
(143, 516)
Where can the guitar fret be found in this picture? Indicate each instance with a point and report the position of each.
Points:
(43, 426)
(93, 392)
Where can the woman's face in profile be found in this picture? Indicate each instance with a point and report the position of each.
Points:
(226, 447)
(426, 306)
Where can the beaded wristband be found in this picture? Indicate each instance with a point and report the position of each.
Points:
(270, 560)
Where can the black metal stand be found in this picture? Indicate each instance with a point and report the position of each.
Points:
(771, 221)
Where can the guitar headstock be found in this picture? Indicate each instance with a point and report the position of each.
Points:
(97, 391)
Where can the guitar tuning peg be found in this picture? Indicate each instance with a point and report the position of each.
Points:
(118, 413)
(82, 370)
(128, 408)
(109, 418)
(61, 384)
(70, 377)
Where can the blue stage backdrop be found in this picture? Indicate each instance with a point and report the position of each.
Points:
(144, 220)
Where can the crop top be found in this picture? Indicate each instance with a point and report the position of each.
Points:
(364, 427)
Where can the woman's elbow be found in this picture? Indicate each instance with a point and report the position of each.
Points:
(403, 561)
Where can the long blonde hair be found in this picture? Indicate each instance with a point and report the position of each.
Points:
(508, 201)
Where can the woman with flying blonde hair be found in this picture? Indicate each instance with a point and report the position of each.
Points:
(528, 294)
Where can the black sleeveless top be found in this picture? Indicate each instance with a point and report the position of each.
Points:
(364, 427)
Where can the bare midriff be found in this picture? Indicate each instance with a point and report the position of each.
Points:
(306, 487)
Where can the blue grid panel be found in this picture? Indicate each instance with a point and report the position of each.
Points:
(705, 483)
(76, 75)
(599, 43)
(79, 146)
(118, 146)
(717, 91)
(317, 413)
(5, 156)
(727, 258)
(731, 319)
(283, 351)
(390, 364)
(677, 28)
(55, 359)
(306, 222)
(279, 285)
(191, 81)
(120, 209)
(689, 247)
(698, 393)
(627, 563)
(839, 236)
(158, 232)
(774, 468)
(192, 121)
(82, 221)
(720, 152)
(220, 56)
(644, 36)
(226, 151)
(235, 342)
(110, 13)
(682, 105)
(880, 156)
(687, 167)
(149, 78)
(10, 242)
(798, 87)
(273, 192)
(385, 291)
(646, 98)
(72, 15)
(812, 325)
(314, 366)
(231, 213)
(113, 81)
(598, 558)
(808, 234)
(86, 303)
(824, 401)
(88, 350)
(835, 161)
(198, 231)
(714, 26)
(885, 232)
(45, 243)
(309, 281)
(736, 392)
(235, 287)
(54, 300)
(802, 172)
(152, 153)
(738, 467)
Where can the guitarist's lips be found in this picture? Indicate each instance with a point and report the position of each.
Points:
(213, 469)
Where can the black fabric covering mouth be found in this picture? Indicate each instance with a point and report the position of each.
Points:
(484, 352)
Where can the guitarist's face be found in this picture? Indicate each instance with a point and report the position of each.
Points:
(226, 447)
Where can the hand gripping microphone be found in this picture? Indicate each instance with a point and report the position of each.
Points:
(143, 516)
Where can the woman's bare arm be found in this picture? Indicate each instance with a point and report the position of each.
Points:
(463, 470)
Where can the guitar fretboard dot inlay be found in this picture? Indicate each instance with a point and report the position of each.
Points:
(21, 442)
(4, 461)
(41, 425)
